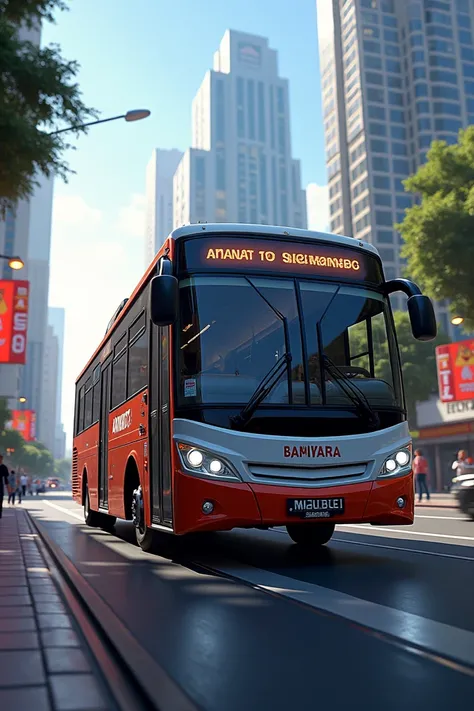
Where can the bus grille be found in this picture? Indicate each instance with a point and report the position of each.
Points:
(75, 477)
(307, 476)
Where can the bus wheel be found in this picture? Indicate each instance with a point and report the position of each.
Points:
(310, 534)
(91, 518)
(145, 536)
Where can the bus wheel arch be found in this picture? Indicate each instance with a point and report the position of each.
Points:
(135, 506)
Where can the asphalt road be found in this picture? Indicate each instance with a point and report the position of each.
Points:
(379, 618)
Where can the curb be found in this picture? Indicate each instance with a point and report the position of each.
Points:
(161, 691)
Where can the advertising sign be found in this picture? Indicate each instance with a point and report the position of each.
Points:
(455, 364)
(24, 422)
(13, 320)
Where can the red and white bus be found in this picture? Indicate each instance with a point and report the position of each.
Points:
(252, 379)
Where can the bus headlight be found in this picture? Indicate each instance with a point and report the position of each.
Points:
(398, 463)
(200, 461)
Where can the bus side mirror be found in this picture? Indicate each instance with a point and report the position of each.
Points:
(164, 300)
(422, 318)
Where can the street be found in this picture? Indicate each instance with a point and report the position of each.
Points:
(245, 619)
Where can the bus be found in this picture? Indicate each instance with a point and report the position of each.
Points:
(252, 380)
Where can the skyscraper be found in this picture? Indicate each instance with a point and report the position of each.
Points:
(50, 387)
(240, 168)
(56, 319)
(159, 199)
(396, 74)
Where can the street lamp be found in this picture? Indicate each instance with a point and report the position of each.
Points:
(13, 262)
(457, 320)
(133, 115)
(22, 399)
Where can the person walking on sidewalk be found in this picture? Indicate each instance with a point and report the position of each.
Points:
(3, 482)
(23, 483)
(420, 469)
(12, 485)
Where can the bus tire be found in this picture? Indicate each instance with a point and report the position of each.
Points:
(91, 518)
(144, 535)
(310, 534)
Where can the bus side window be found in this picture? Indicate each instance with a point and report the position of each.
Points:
(138, 365)
(96, 394)
(88, 404)
(119, 380)
(80, 411)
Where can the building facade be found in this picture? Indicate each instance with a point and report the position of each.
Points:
(159, 199)
(56, 319)
(396, 75)
(239, 167)
(48, 416)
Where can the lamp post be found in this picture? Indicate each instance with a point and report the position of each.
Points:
(13, 262)
(457, 320)
(133, 115)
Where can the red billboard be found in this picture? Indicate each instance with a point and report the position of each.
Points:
(24, 422)
(455, 364)
(13, 320)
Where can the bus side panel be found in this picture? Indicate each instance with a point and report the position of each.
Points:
(87, 446)
(128, 438)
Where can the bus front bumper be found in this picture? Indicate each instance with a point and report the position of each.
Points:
(242, 505)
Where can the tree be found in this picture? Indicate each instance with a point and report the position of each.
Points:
(35, 459)
(38, 92)
(62, 468)
(418, 360)
(13, 441)
(438, 233)
(5, 413)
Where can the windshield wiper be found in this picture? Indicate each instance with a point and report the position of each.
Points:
(355, 395)
(263, 389)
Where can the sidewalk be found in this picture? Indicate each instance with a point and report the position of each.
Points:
(44, 662)
(442, 501)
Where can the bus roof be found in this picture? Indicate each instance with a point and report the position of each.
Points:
(224, 228)
(268, 231)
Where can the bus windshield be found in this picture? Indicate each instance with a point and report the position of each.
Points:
(233, 329)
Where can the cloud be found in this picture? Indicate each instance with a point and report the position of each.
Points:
(92, 269)
(73, 210)
(317, 205)
(131, 219)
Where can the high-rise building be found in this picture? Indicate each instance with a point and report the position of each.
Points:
(396, 74)
(240, 167)
(47, 413)
(26, 232)
(159, 199)
(56, 319)
(38, 259)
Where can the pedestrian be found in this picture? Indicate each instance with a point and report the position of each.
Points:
(420, 469)
(19, 489)
(23, 484)
(3, 482)
(459, 464)
(11, 487)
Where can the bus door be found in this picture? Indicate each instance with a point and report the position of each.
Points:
(104, 437)
(160, 430)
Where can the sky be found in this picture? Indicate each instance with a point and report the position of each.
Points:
(152, 54)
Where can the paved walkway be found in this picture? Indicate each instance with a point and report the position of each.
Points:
(44, 662)
(444, 501)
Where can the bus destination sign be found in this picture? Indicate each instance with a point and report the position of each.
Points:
(281, 256)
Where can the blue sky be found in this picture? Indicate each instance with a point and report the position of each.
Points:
(153, 54)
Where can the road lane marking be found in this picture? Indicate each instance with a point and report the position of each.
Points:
(443, 518)
(388, 547)
(399, 548)
(61, 508)
(415, 630)
(365, 527)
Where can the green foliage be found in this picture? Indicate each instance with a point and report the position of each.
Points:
(38, 93)
(438, 233)
(35, 459)
(418, 359)
(11, 439)
(5, 414)
(63, 468)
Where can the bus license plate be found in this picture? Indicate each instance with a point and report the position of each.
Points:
(315, 508)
